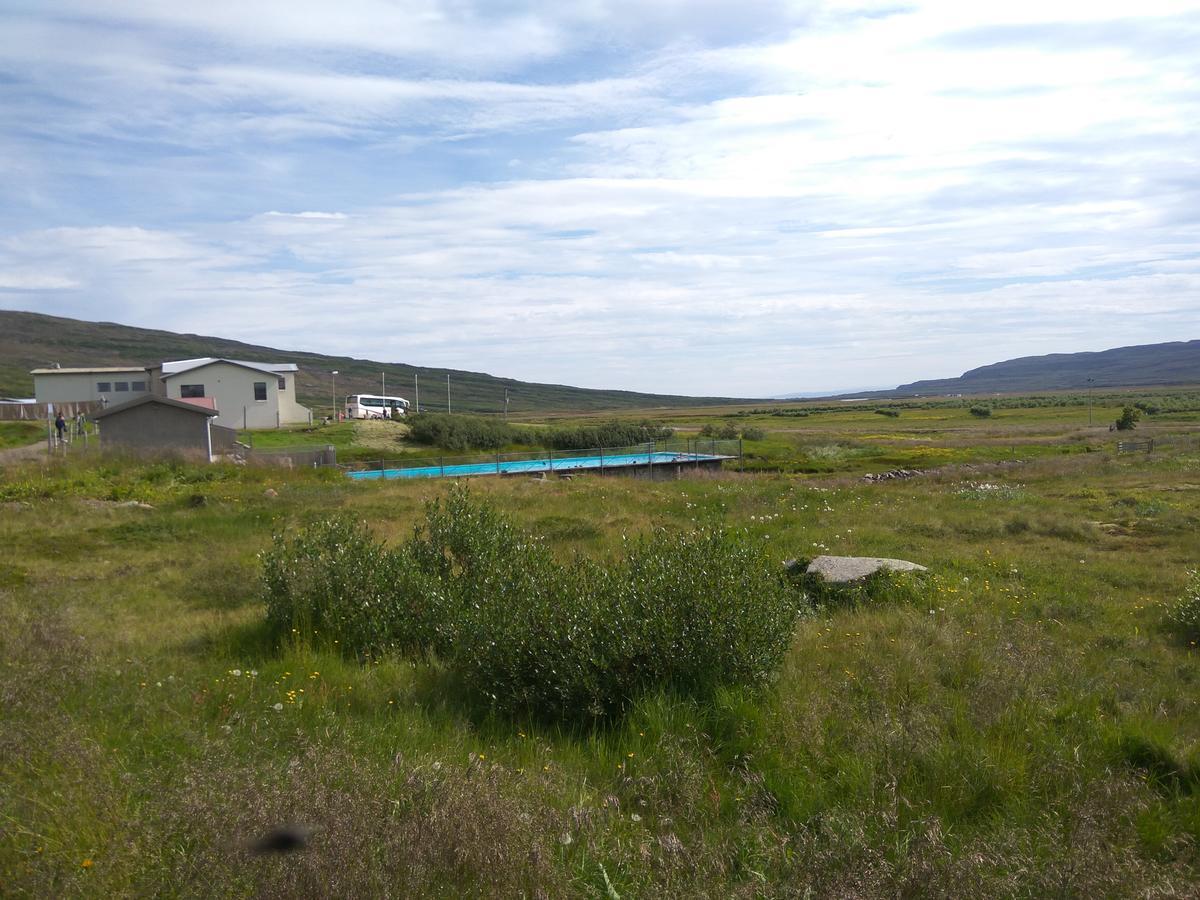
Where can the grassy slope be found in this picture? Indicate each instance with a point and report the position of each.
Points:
(1026, 730)
(29, 340)
(20, 434)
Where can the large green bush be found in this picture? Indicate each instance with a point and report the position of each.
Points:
(690, 612)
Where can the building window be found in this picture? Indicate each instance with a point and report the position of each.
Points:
(103, 387)
(283, 384)
(191, 390)
(137, 385)
(121, 386)
(260, 390)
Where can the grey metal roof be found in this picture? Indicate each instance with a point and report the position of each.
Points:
(154, 398)
(179, 366)
(110, 370)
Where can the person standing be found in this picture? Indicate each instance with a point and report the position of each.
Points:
(60, 425)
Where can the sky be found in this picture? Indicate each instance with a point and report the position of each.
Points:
(711, 198)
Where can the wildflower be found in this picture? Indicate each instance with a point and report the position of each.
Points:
(87, 864)
(236, 673)
(635, 817)
(565, 838)
(278, 707)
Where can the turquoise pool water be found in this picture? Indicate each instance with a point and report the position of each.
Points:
(565, 464)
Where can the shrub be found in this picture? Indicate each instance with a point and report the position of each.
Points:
(726, 431)
(981, 412)
(689, 612)
(336, 581)
(890, 413)
(1128, 419)
(1184, 615)
(460, 433)
(753, 433)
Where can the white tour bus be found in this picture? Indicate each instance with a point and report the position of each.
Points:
(374, 406)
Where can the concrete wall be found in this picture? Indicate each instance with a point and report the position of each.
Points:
(233, 389)
(84, 387)
(154, 426)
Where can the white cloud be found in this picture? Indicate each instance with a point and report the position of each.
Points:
(670, 198)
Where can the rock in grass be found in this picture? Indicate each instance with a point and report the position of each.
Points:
(846, 569)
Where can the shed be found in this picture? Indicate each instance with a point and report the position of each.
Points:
(158, 423)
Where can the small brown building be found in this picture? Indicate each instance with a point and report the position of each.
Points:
(158, 423)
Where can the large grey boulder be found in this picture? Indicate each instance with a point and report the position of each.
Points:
(844, 569)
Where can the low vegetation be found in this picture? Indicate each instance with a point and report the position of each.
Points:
(603, 686)
(461, 433)
(687, 612)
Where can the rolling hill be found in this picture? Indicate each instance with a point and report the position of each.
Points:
(29, 340)
(1173, 363)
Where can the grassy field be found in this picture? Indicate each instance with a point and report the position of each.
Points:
(1027, 725)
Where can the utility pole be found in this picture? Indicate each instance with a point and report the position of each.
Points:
(333, 395)
(447, 393)
(506, 404)
(417, 391)
(383, 383)
(1090, 382)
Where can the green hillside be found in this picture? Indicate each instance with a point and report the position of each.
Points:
(29, 340)
(1177, 362)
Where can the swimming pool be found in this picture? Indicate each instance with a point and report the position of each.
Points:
(546, 464)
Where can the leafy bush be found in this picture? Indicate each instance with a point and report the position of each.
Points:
(460, 433)
(609, 434)
(729, 431)
(1128, 419)
(690, 612)
(336, 581)
(890, 413)
(981, 412)
(726, 431)
(1184, 615)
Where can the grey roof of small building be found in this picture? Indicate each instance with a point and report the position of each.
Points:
(179, 366)
(110, 370)
(154, 398)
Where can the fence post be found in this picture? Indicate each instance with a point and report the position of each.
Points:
(550, 456)
(442, 466)
(601, 459)
(741, 454)
(497, 463)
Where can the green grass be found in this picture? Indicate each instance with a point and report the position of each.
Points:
(20, 434)
(1024, 725)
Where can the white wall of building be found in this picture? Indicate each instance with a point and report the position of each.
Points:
(80, 387)
(233, 388)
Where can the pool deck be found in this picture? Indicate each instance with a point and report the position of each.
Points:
(549, 464)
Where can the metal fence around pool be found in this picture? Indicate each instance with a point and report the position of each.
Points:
(700, 452)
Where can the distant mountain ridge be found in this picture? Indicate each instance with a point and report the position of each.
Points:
(1176, 362)
(30, 340)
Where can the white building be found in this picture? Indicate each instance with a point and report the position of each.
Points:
(246, 394)
(109, 385)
